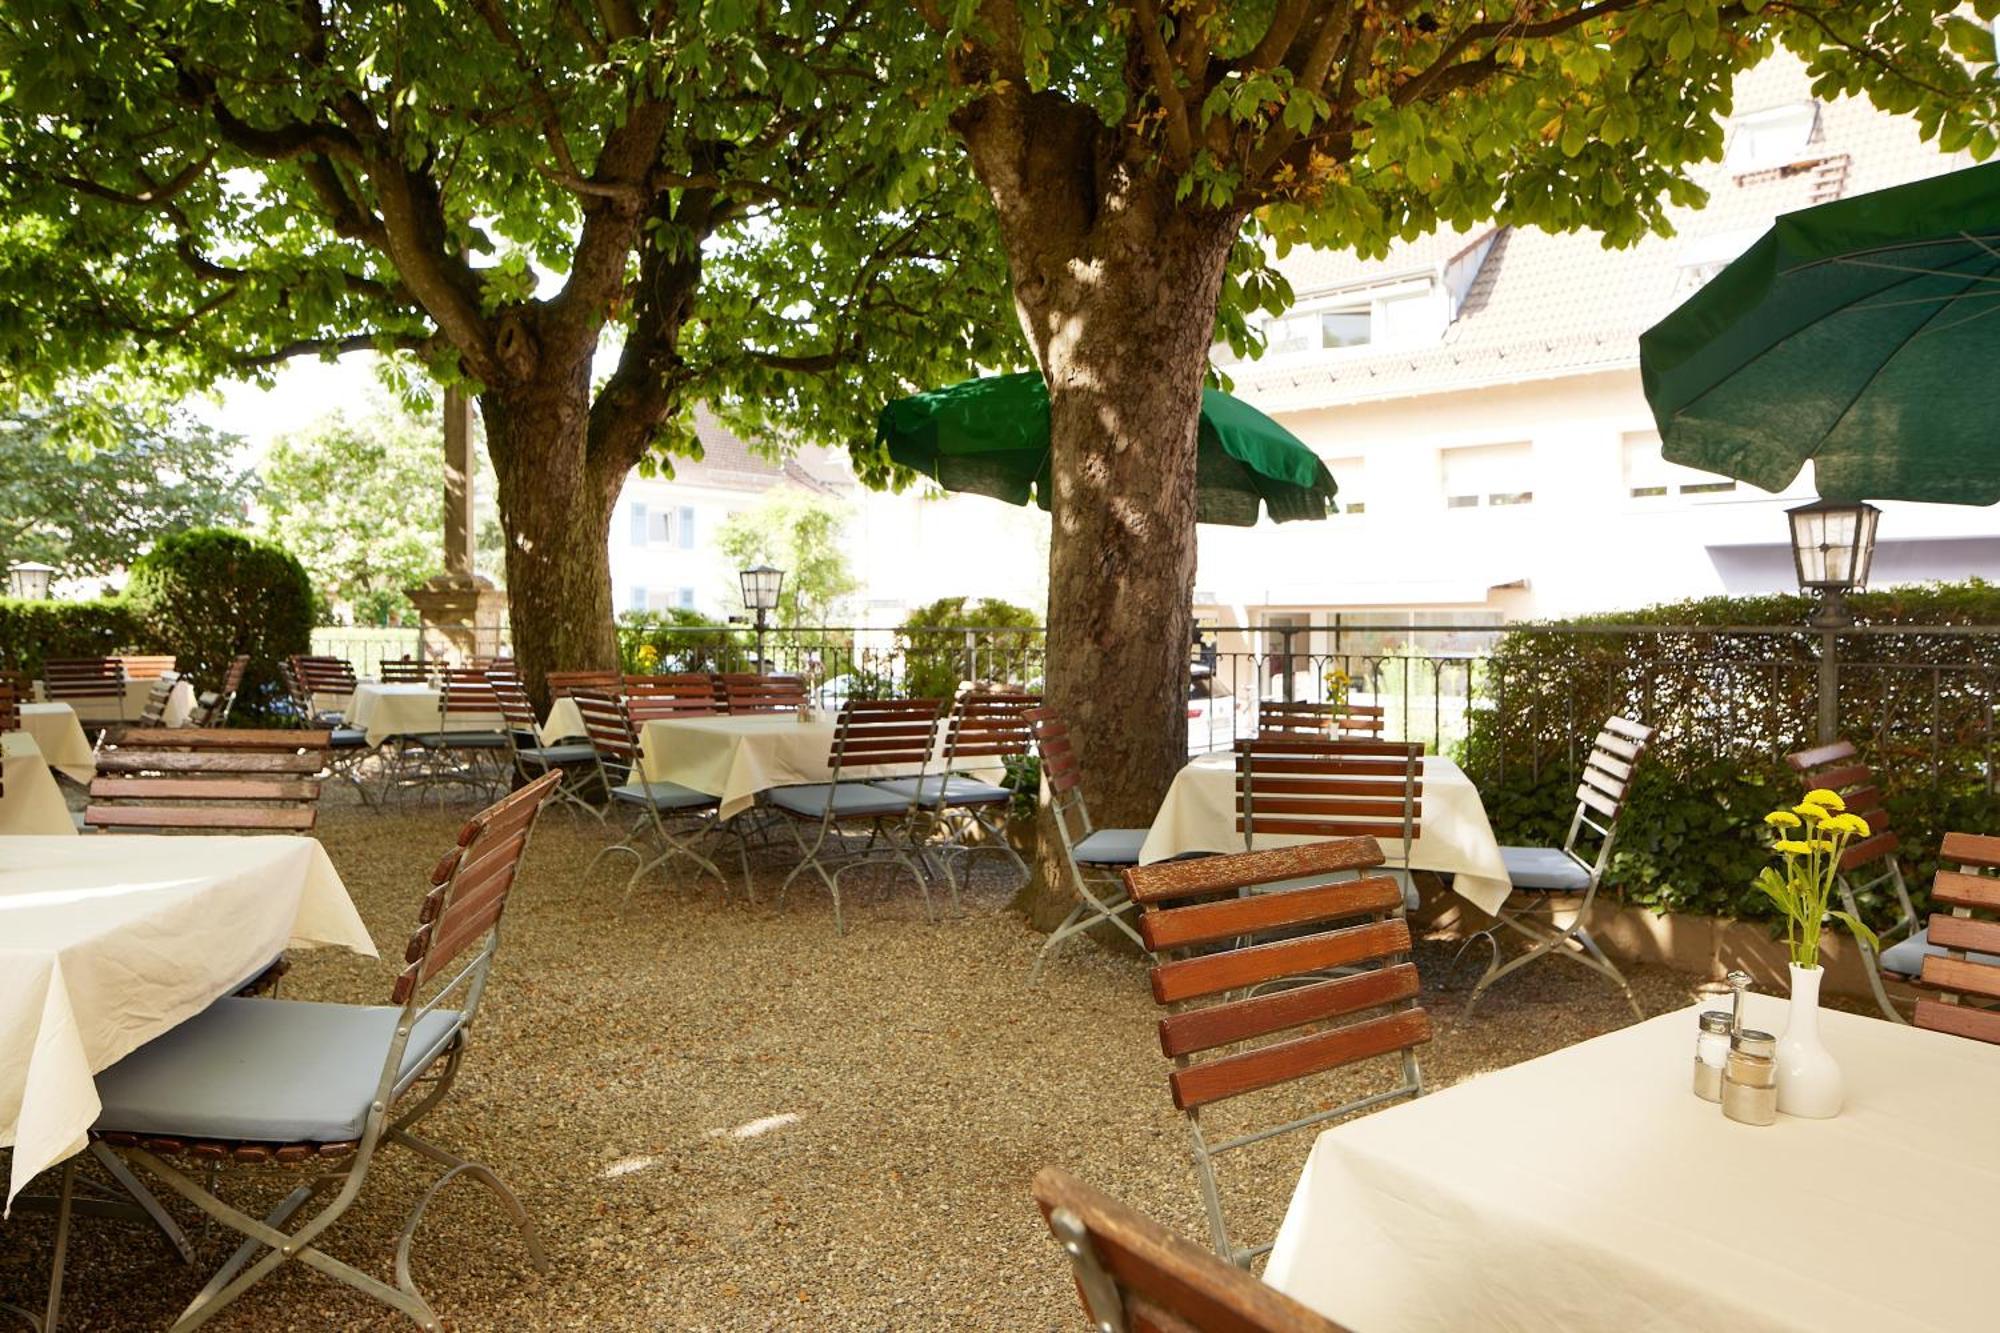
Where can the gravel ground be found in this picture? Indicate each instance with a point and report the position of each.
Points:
(623, 1066)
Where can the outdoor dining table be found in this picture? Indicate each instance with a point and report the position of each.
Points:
(59, 736)
(98, 711)
(1199, 815)
(108, 942)
(1591, 1189)
(411, 709)
(30, 800)
(733, 757)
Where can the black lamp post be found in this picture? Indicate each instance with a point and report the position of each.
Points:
(760, 596)
(1833, 544)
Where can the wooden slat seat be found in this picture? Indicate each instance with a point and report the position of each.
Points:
(1134, 1276)
(1285, 916)
(202, 780)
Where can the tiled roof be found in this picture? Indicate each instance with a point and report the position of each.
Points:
(1547, 305)
(729, 462)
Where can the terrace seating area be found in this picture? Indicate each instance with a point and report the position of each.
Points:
(746, 925)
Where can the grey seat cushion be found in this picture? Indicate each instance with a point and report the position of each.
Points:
(558, 754)
(265, 1071)
(1546, 868)
(661, 795)
(955, 790)
(850, 800)
(1112, 847)
(1906, 957)
(349, 738)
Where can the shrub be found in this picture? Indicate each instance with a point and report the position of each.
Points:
(1727, 708)
(209, 594)
(679, 639)
(935, 662)
(33, 632)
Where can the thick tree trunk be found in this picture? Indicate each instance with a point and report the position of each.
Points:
(555, 509)
(1121, 310)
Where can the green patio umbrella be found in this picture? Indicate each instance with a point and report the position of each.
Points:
(1863, 335)
(991, 437)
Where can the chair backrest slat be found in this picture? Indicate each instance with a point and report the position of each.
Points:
(564, 683)
(606, 724)
(1839, 768)
(194, 779)
(404, 671)
(649, 697)
(884, 732)
(1134, 1276)
(471, 884)
(990, 725)
(84, 678)
(516, 709)
(751, 693)
(1296, 786)
(1291, 717)
(1958, 973)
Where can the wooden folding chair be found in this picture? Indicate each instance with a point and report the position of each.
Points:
(154, 713)
(869, 733)
(1291, 787)
(197, 780)
(1230, 928)
(1288, 717)
(316, 1089)
(1543, 876)
(213, 707)
(530, 757)
(471, 737)
(323, 678)
(1135, 1276)
(562, 684)
(1869, 868)
(750, 693)
(1092, 855)
(1961, 950)
(308, 680)
(614, 725)
(985, 727)
(405, 671)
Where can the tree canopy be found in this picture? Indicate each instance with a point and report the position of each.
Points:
(800, 533)
(88, 483)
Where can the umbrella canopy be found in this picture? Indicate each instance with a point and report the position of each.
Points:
(1863, 335)
(991, 437)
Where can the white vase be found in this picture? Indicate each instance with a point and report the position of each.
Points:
(1809, 1082)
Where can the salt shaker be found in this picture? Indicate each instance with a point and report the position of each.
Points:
(1711, 1053)
(1750, 1079)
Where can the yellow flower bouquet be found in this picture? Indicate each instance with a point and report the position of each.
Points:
(1338, 686)
(1812, 837)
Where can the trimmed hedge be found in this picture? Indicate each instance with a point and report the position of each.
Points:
(33, 632)
(1727, 708)
(208, 594)
(934, 663)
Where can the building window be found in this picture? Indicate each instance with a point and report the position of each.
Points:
(1775, 137)
(636, 598)
(687, 528)
(638, 531)
(1488, 476)
(687, 599)
(1345, 328)
(1399, 313)
(1650, 477)
(661, 530)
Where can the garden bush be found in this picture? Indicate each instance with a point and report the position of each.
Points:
(33, 632)
(678, 639)
(935, 662)
(210, 593)
(1728, 705)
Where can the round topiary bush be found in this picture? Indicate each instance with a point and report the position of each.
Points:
(208, 594)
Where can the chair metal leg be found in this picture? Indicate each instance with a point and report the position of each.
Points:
(1089, 912)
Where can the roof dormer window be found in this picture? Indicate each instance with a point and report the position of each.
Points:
(1775, 137)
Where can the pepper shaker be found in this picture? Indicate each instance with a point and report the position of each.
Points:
(1750, 1079)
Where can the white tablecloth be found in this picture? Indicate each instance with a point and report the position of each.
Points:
(30, 800)
(107, 942)
(60, 738)
(180, 703)
(733, 757)
(383, 711)
(1590, 1189)
(1199, 815)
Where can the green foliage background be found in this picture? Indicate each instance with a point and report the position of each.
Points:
(1728, 708)
(933, 663)
(32, 632)
(207, 595)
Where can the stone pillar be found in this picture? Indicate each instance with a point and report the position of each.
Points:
(461, 609)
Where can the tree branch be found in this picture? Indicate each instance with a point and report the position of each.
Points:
(353, 342)
(1180, 131)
